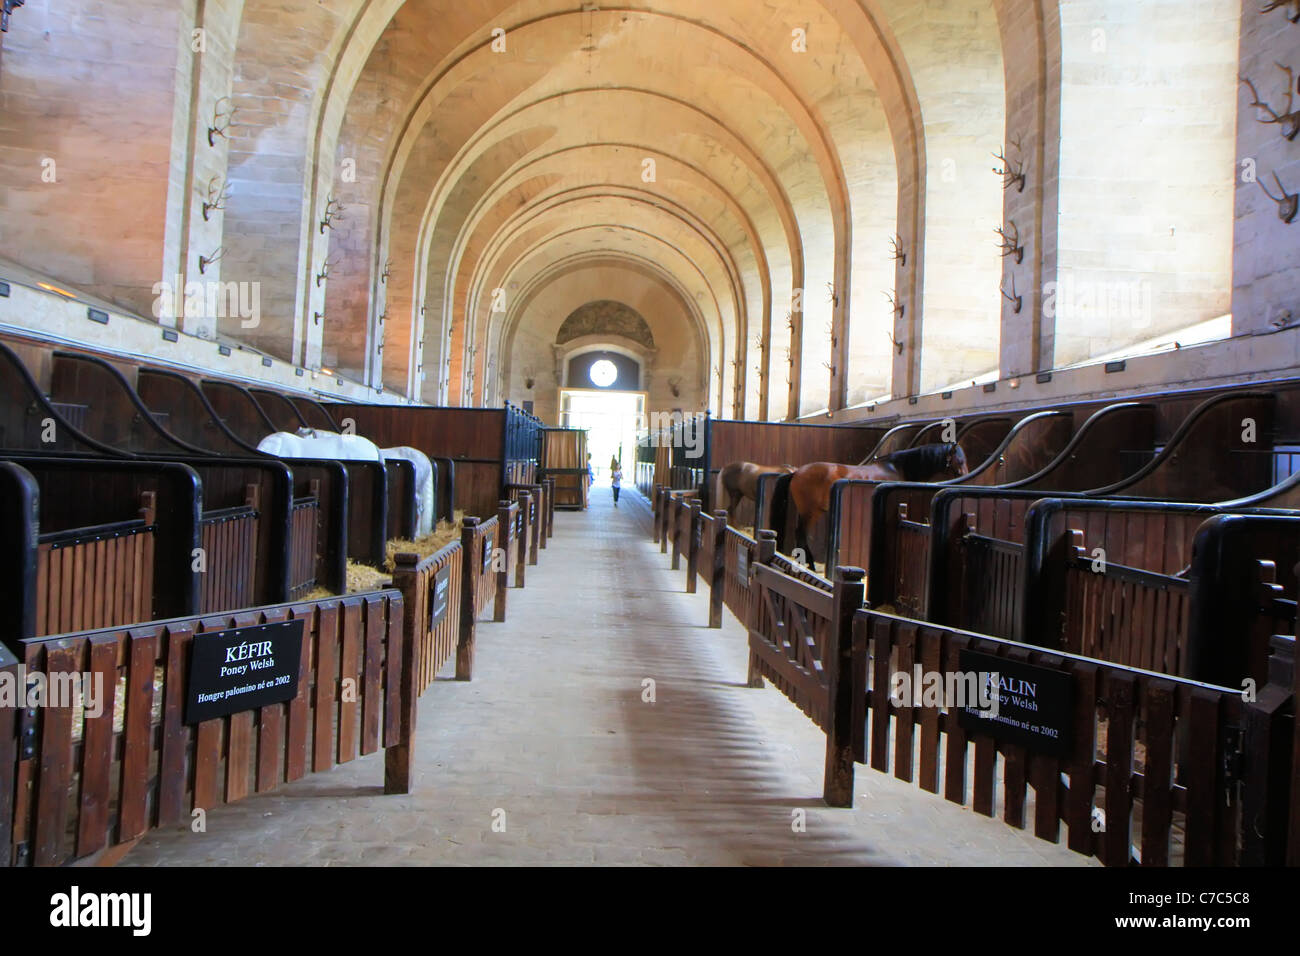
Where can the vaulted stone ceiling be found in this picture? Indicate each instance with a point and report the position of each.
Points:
(735, 151)
(796, 194)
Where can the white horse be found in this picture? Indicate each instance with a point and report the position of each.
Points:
(314, 443)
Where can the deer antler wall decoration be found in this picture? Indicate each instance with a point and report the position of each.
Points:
(898, 255)
(324, 273)
(1011, 175)
(1010, 244)
(217, 197)
(333, 213)
(223, 118)
(1288, 121)
(897, 306)
(1288, 204)
(898, 346)
(205, 261)
(1016, 300)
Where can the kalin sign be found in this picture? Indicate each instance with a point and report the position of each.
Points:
(243, 668)
(1035, 704)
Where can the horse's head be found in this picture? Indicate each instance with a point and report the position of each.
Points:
(955, 463)
(937, 462)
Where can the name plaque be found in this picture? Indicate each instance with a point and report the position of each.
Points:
(1035, 705)
(243, 668)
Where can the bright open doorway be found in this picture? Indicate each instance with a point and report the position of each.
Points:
(611, 420)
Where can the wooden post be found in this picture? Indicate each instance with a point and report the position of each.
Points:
(536, 522)
(837, 664)
(694, 532)
(10, 751)
(656, 507)
(664, 505)
(503, 575)
(718, 580)
(1270, 777)
(675, 539)
(764, 554)
(550, 508)
(399, 762)
(525, 532)
(465, 641)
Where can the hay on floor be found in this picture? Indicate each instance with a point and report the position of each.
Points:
(364, 577)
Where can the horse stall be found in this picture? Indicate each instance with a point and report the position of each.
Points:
(469, 444)
(245, 526)
(367, 494)
(119, 555)
(845, 525)
(564, 460)
(774, 444)
(318, 521)
(977, 535)
(1107, 755)
(242, 552)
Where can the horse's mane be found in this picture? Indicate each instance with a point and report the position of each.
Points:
(920, 463)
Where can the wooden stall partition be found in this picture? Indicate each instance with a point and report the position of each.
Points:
(504, 560)
(474, 439)
(91, 781)
(564, 459)
(777, 443)
(123, 555)
(801, 640)
(898, 549)
(533, 513)
(19, 530)
(739, 555)
(431, 596)
(1103, 757)
(481, 539)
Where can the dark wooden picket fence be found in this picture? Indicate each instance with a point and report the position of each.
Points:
(85, 784)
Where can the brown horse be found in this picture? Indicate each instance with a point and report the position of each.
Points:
(739, 480)
(810, 486)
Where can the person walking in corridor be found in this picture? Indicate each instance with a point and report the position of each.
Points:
(615, 479)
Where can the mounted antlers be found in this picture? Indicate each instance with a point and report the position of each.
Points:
(675, 386)
(1293, 14)
(333, 213)
(324, 271)
(205, 261)
(1010, 244)
(832, 296)
(1017, 301)
(222, 119)
(216, 197)
(388, 271)
(1011, 175)
(1289, 121)
(899, 256)
(897, 306)
(1288, 204)
(898, 346)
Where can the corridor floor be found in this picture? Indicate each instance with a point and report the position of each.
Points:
(552, 756)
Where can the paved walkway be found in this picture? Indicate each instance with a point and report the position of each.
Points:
(552, 738)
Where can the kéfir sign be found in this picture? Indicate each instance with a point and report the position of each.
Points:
(243, 668)
(1035, 704)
